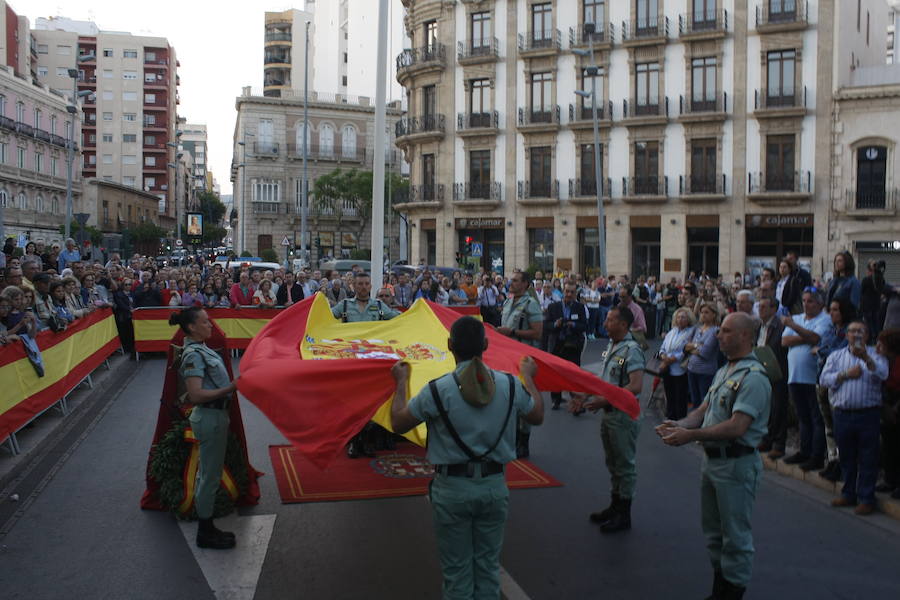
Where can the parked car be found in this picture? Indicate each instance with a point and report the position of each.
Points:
(343, 266)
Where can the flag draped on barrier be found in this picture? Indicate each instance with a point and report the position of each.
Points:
(320, 404)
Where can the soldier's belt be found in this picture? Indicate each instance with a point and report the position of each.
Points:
(488, 467)
(732, 451)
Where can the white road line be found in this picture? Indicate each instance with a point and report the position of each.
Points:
(509, 588)
(234, 574)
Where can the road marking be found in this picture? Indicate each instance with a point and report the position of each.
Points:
(233, 574)
(510, 589)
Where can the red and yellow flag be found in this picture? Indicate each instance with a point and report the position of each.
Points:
(320, 380)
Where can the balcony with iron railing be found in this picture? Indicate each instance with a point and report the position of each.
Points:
(428, 195)
(706, 109)
(419, 128)
(585, 35)
(779, 187)
(880, 202)
(324, 152)
(581, 116)
(542, 191)
(584, 190)
(707, 24)
(432, 57)
(476, 51)
(646, 111)
(267, 208)
(543, 118)
(702, 188)
(477, 123)
(24, 129)
(645, 188)
(779, 103)
(653, 30)
(7, 123)
(540, 43)
(278, 36)
(477, 194)
(265, 149)
(787, 16)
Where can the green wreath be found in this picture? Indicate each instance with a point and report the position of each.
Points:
(167, 461)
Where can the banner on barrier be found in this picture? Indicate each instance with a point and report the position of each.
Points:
(69, 356)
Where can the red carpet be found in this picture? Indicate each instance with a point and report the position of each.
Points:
(404, 472)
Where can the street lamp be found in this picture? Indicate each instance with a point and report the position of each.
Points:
(592, 70)
(242, 213)
(304, 192)
(72, 109)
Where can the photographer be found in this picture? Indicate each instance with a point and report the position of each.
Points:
(568, 320)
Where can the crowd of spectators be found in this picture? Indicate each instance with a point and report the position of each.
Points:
(837, 343)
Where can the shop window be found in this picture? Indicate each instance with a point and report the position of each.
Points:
(645, 251)
(703, 250)
(540, 248)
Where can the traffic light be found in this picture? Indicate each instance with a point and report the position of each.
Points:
(459, 258)
(469, 240)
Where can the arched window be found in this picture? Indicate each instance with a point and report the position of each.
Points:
(39, 203)
(871, 176)
(326, 139)
(22, 201)
(299, 139)
(4, 199)
(348, 141)
(54, 205)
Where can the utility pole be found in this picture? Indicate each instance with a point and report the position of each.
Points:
(304, 193)
(378, 179)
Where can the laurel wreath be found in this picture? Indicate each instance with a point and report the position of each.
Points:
(168, 458)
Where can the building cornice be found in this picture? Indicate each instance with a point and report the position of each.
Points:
(868, 92)
(298, 103)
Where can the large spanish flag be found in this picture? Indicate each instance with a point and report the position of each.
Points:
(320, 380)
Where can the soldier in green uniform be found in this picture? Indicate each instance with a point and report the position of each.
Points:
(362, 307)
(729, 425)
(209, 390)
(471, 415)
(523, 320)
(623, 366)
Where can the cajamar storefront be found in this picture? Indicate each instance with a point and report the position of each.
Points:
(770, 237)
(487, 231)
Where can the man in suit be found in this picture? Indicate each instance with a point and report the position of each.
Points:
(290, 291)
(568, 320)
(770, 335)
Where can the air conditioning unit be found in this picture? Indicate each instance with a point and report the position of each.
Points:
(274, 149)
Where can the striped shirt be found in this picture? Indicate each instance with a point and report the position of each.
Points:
(859, 393)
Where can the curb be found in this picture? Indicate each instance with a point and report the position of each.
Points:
(886, 504)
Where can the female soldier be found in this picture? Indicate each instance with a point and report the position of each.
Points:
(209, 390)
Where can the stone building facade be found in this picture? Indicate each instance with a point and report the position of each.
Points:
(714, 120)
(267, 171)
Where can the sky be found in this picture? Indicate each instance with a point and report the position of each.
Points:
(219, 45)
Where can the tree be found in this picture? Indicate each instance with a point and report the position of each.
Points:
(269, 255)
(90, 232)
(213, 212)
(147, 232)
(351, 191)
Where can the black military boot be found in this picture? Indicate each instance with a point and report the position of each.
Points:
(522, 440)
(718, 586)
(208, 536)
(354, 448)
(731, 591)
(621, 519)
(606, 514)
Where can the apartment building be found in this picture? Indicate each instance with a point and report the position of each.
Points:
(17, 49)
(267, 170)
(193, 140)
(130, 116)
(34, 129)
(714, 125)
(342, 54)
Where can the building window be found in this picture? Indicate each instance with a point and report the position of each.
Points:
(38, 162)
(594, 12)
(703, 84)
(480, 103)
(541, 25)
(64, 50)
(129, 96)
(129, 54)
(703, 166)
(782, 10)
(107, 116)
(129, 138)
(149, 98)
(128, 180)
(39, 203)
(149, 161)
(703, 250)
(42, 71)
(108, 52)
(480, 174)
(2, 105)
(428, 187)
(53, 124)
(646, 168)
(107, 138)
(540, 248)
(107, 74)
(22, 201)
(645, 243)
(588, 170)
(344, 80)
(54, 167)
(20, 112)
(91, 159)
(43, 49)
(348, 142)
(20, 157)
(148, 119)
(326, 139)
(149, 57)
(149, 140)
(37, 118)
(704, 14)
(592, 80)
(266, 135)
(540, 97)
(429, 100)
(647, 88)
(539, 172)
(129, 159)
(149, 183)
(129, 74)
(781, 68)
(107, 159)
(3, 151)
(780, 163)
(266, 191)
(429, 32)
(871, 177)
(4, 199)
(480, 33)
(646, 11)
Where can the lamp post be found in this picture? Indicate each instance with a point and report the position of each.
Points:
(242, 213)
(592, 70)
(72, 109)
(304, 192)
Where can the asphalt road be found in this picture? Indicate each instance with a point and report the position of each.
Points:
(82, 534)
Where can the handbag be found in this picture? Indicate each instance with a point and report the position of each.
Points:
(656, 366)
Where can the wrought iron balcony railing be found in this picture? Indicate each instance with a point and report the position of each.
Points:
(479, 47)
(688, 106)
(478, 120)
(476, 190)
(540, 40)
(539, 115)
(640, 29)
(701, 184)
(646, 107)
(422, 124)
(544, 188)
(581, 188)
(645, 185)
(585, 35)
(786, 11)
(779, 181)
(585, 112)
(703, 22)
(774, 99)
(426, 192)
(411, 57)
